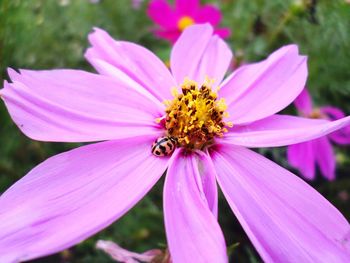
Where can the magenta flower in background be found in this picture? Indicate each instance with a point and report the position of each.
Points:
(73, 195)
(304, 156)
(172, 21)
(136, 4)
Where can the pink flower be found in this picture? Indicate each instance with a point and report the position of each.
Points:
(305, 156)
(73, 195)
(172, 21)
(136, 4)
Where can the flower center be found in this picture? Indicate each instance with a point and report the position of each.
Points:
(185, 22)
(315, 114)
(195, 116)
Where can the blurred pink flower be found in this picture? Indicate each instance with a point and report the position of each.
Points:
(304, 156)
(122, 255)
(136, 4)
(344, 196)
(173, 20)
(73, 195)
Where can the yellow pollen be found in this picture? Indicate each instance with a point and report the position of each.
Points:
(185, 22)
(315, 114)
(195, 116)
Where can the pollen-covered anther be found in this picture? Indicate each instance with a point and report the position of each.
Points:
(195, 116)
(316, 114)
(185, 22)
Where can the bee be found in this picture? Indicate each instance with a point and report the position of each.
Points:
(164, 146)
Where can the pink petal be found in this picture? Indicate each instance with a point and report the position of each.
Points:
(332, 113)
(286, 219)
(206, 181)
(122, 255)
(215, 61)
(170, 35)
(198, 54)
(281, 130)
(259, 90)
(302, 156)
(304, 102)
(187, 7)
(223, 32)
(73, 195)
(341, 136)
(208, 13)
(325, 157)
(77, 106)
(135, 61)
(162, 14)
(136, 4)
(193, 232)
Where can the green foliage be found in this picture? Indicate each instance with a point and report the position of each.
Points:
(44, 34)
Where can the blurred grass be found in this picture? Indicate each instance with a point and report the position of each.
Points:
(41, 34)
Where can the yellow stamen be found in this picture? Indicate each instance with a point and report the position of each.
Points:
(185, 22)
(174, 91)
(315, 114)
(229, 124)
(195, 116)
